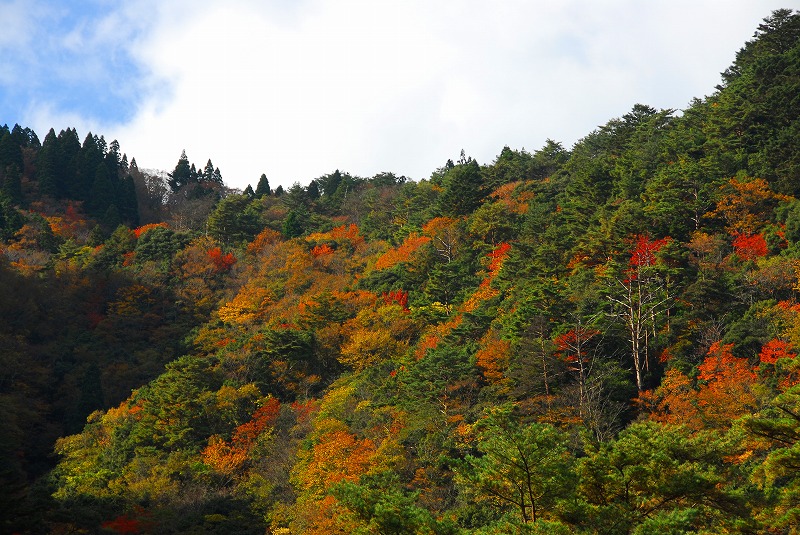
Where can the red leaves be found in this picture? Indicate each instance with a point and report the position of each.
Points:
(644, 250)
(397, 296)
(265, 415)
(498, 255)
(750, 246)
(222, 262)
(123, 524)
(571, 344)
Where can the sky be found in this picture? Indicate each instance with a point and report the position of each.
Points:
(295, 89)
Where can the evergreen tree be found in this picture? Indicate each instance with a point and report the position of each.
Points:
(463, 188)
(47, 165)
(181, 175)
(313, 190)
(262, 188)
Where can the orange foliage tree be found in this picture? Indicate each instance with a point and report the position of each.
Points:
(493, 357)
(747, 205)
(226, 457)
(401, 253)
(673, 402)
(726, 386)
(445, 236)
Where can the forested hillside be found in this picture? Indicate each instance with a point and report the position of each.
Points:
(599, 339)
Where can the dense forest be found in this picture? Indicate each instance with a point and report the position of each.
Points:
(597, 340)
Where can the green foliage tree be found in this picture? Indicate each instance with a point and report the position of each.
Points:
(463, 188)
(526, 468)
(262, 188)
(234, 220)
(656, 478)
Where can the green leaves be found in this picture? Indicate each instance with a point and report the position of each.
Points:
(523, 468)
(656, 475)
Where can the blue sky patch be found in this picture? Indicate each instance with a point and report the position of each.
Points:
(72, 57)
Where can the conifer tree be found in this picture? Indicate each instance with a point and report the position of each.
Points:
(262, 188)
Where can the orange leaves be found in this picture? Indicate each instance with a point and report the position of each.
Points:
(484, 292)
(223, 456)
(724, 392)
(498, 256)
(336, 456)
(775, 349)
(402, 253)
(750, 246)
(438, 225)
(321, 250)
(727, 394)
(673, 402)
(265, 415)
(226, 457)
(345, 234)
(145, 228)
(493, 356)
(515, 201)
(445, 236)
(721, 364)
(266, 238)
(725, 389)
(747, 206)
(773, 353)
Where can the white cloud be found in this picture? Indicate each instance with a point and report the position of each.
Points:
(296, 90)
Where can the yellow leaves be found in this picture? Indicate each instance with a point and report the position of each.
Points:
(249, 305)
(709, 250)
(367, 347)
(132, 301)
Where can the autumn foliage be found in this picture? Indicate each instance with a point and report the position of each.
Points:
(402, 253)
(222, 262)
(750, 247)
